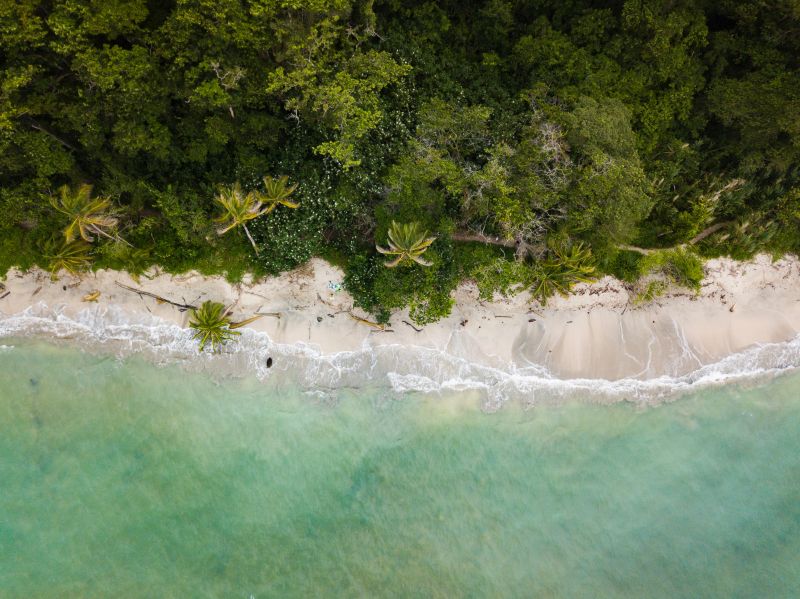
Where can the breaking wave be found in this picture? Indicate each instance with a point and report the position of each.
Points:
(403, 369)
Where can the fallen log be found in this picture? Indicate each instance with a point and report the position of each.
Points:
(158, 298)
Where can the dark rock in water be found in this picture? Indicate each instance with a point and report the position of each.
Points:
(34, 382)
(269, 362)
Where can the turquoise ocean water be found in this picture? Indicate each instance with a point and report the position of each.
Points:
(121, 479)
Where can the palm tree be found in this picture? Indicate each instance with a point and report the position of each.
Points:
(239, 208)
(577, 262)
(408, 242)
(87, 215)
(212, 324)
(568, 266)
(72, 256)
(277, 192)
(547, 283)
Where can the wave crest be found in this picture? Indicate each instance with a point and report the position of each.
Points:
(403, 369)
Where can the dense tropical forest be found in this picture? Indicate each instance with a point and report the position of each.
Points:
(523, 144)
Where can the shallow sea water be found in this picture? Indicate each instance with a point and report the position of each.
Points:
(122, 479)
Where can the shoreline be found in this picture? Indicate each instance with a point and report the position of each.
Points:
(748, 310)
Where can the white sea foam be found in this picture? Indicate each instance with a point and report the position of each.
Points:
(403, 369)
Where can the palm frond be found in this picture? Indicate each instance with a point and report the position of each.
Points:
(72, 256)
(87, 216)
(276, 193)
(238, 208)
(408, 242)
(212, 324)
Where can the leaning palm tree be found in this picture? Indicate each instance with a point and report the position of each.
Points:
(88, 216)
(408, 242)
(72, 256)
(277, 193)
(239, 207)
(212, 324)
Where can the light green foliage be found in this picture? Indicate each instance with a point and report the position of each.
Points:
(788, 222)
(72, 256)
(743, 238)
(238, 208)
(567, 265)
(680, 266)
(407, 242)
(426, 291)
(87, 216)
(651, 291)
(212, 325)
(277, 192)
(503, 276)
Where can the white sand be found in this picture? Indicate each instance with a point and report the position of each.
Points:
(595, 333)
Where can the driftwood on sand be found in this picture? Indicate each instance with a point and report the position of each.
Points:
(158, 298)
(374, 325)
(183, 307)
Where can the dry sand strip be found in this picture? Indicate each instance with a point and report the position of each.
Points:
(594, 333)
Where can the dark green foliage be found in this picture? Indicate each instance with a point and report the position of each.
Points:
(507, 128)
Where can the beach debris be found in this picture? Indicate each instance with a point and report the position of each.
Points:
(236, 325)
(92, 296)
(272, 314)
(412, 326)
(731, 308)
(374, 325)
(334, 286)
(37, 290)
(464, 322)
(5, 295)
(158, 298)
(269, 362)
(531, 320)
(319, 318)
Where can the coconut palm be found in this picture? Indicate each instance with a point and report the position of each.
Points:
(88, 216)
(211, 324)
(408, 242)
(568, 266)
(72, 256)
(239, 207)
(577, 262)
(548, 282)
(277, 193)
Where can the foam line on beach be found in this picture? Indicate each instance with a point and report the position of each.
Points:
(399, 368)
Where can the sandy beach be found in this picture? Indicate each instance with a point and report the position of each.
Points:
(597, 332)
